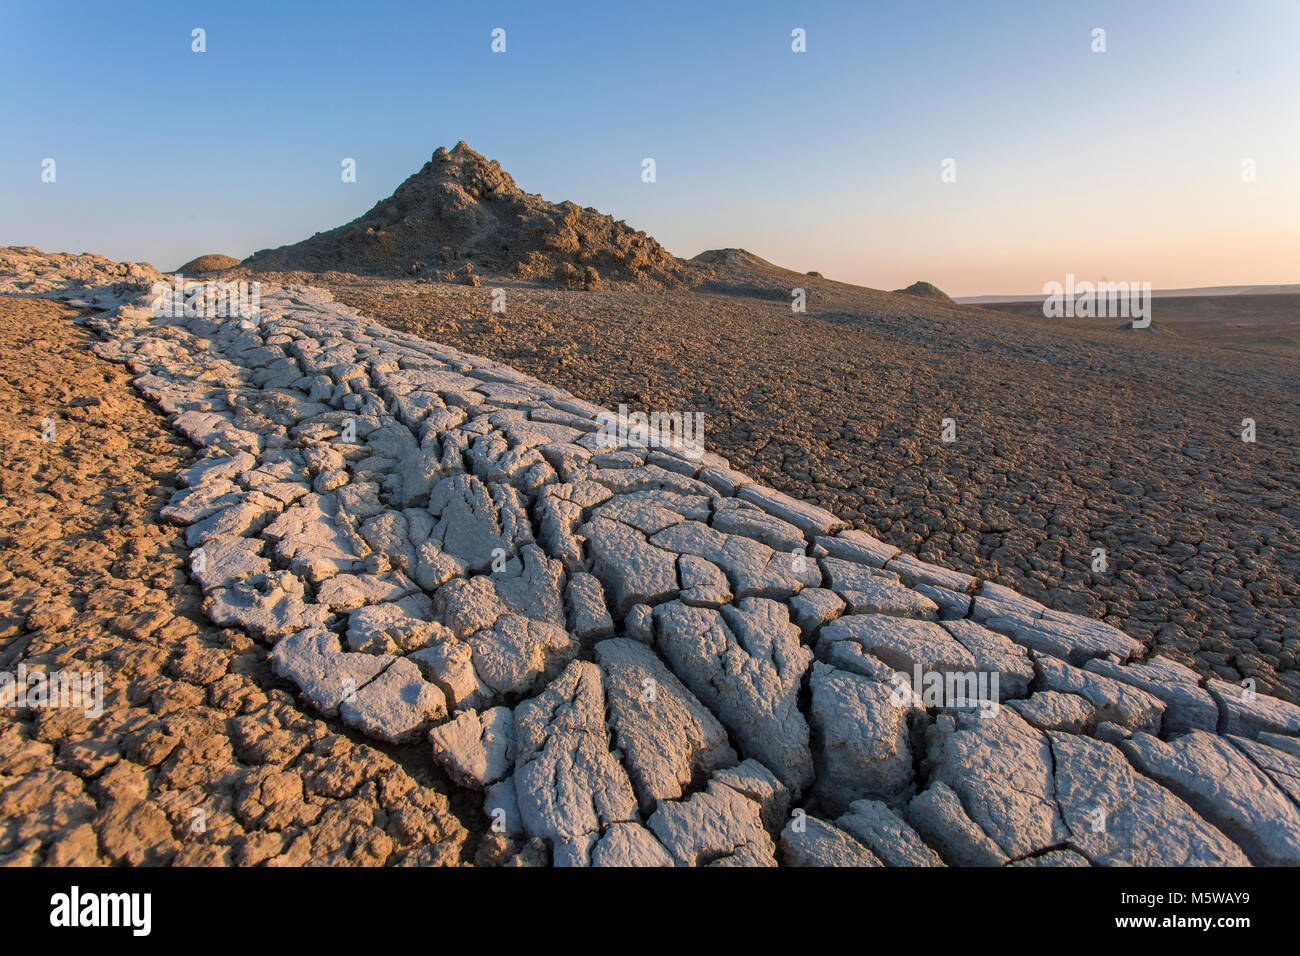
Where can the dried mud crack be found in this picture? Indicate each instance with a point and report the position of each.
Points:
(630, 655)
(201, 754)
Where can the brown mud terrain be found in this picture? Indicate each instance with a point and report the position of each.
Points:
(1067, 440)
(200, 755)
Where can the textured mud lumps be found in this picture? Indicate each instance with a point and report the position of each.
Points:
(866, 590)
(532, 586)
(938, 816)
(1279, 759)
(1249, 714)
(349, 592)
(1114, 702)
(746, 664)
(853, 545)
(813, 608)
(994, 653)
(625, 844)
(226, 561)
(515, 655)
(751, 779)
(1051, 710)
(863, 747)
(712, 826)
(772, 531)
(322, 670)
(913, 571)
(1067, 636)
(813, 842)
(808, 518)
(476, 750)
(476, 521)
(1001, 770)
(270, 605)
(567, 783)
(634, 571)
(752, 568)
(908, 646)
(399, 627)
(1187, 706)
(615, 646)
(588, 617)
(703, 583)
(310, 540)
(1117, 816)
(668, 738)
(396, 705)
(1225, 788)
(886, 834)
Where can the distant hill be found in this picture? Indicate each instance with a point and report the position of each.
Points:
(735, 257)
(736, 260)
(209, 263)
(462, 213)
(925, 291)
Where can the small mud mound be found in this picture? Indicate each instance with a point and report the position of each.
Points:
(209, 263)
(735, 257)
(462, 213)
(924, 290)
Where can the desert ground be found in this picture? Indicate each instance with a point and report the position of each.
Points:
(367, 583)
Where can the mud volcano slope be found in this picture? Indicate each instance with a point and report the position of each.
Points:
(462, 212)
(640, 656)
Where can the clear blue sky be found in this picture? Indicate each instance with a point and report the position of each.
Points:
(1121, 165)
